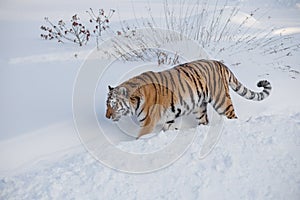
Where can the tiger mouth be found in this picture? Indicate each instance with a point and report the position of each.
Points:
(115, 119)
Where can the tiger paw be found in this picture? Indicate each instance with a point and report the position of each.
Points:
(203, 122)
(171, 127)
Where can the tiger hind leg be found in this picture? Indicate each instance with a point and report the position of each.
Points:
(170, 120)
(169, 125)
(226, 108)
(202, 114)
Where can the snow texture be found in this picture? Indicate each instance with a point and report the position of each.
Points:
(41, 156)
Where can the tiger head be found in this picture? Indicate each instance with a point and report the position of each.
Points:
(117, 103)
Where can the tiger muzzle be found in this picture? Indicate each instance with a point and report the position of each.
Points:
(108, 114)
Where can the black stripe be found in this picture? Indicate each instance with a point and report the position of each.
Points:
(220, 104)
(186, 105)
(221, 85)
(252, 95)
(184, 71)
(180, 98)
(124, 104)
(238, 87)
(206, 69)
(142, 79)
(172, 81)
(140, 112)
(155, 77)
(153, 83)
(170, 122)
(227, 108)
(266, 92)
(131, 84)
(167, 83)
(172, 90)
(244, 91)
(230, 113)
(267, 87)
(178, 114)
(197, 89)
(258, 96)
(262, 96)
(218, 88)
(151, 79)
(138, 102)
(181, 86)
(198, 79)
(172, 103)
(171, 78)
(162, 86)
(204, 105)
(161, 77)
(218, 94)
(195, 82)
(191, 95)
(179, 79)
(213, 73)
(143, 119)
(189, 88)
(203, 114)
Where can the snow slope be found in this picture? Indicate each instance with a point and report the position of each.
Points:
(41, 156)
(253, 160)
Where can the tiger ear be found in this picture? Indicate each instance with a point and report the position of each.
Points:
(110, 88)
(123, 91)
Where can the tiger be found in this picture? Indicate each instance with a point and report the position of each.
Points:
(164, 96)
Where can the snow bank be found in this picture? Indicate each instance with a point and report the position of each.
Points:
(253, 160)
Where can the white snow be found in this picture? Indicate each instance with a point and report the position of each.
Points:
(41, 156)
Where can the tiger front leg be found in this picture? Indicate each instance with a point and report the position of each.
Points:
(147, 125)
(170, 119)
(202, 114)
(145, 130)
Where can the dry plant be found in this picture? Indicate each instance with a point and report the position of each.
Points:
(209, 23)
(163, 58)
(100, 21)
(132, 44)
(75, 32)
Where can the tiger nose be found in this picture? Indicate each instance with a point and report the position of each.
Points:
(108, 114)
